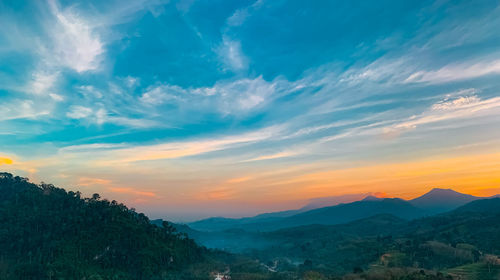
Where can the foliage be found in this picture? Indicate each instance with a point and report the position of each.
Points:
(48, 233)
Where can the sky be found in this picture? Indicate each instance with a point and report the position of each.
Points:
(196, 108)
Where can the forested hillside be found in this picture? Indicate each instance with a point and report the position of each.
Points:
(48, 233)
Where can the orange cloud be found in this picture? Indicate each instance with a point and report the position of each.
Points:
(86, 181)
(132, 191)
(4, 160)
(216, 194)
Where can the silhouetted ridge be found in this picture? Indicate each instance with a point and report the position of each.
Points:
(48, 233)
(441, 200)
(491, 205)
(372, 198)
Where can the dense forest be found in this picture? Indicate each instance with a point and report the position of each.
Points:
(49, 233)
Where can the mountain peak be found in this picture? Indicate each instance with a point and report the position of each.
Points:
(441, 190)
(444, 193)
(371, 198)
(441, 200)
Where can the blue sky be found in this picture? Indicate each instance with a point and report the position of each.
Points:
(191, 108)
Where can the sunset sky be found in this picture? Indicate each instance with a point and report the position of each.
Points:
(196, 108)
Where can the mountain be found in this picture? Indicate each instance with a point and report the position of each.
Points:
(338, 214)
(488, 206)
(221, 223)
(442, 200)
(321, 202)
(434, 202)
(372, 198)
(348, 212)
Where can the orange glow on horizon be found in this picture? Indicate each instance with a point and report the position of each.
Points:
(476, 175)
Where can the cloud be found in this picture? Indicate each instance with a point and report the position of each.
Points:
(89, 92)
(75, 43)
(190, 148)
(122, 154)
(42, 82)
(56, 97)
(272, 156)
(242, 95)
(454, 72)
(87, 181)
(101, 116)
(240, 15)
(131, 191)
(157, 95)
(90, 147)
(220, 193)
(231, 54)
(457, 108)
(79, 112)
(457, 103)
(23, 109)
(228, 97)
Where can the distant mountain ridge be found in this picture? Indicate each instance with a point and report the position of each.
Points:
(338, 214)
(433, 202)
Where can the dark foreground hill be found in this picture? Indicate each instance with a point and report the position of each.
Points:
(48, 233)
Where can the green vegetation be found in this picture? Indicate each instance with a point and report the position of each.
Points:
(49, 233)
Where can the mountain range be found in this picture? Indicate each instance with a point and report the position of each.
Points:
(434, 202)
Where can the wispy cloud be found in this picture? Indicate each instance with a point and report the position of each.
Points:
(23, 109)
(75, 44)
(116, 154)
(273, 156)
(87, 181)
(79, 112)
(231, 54)
(132, 191)
(158, 95)
(191, 148)
(240, 15)
(42, 82)
(453, 72)
(458, 108)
